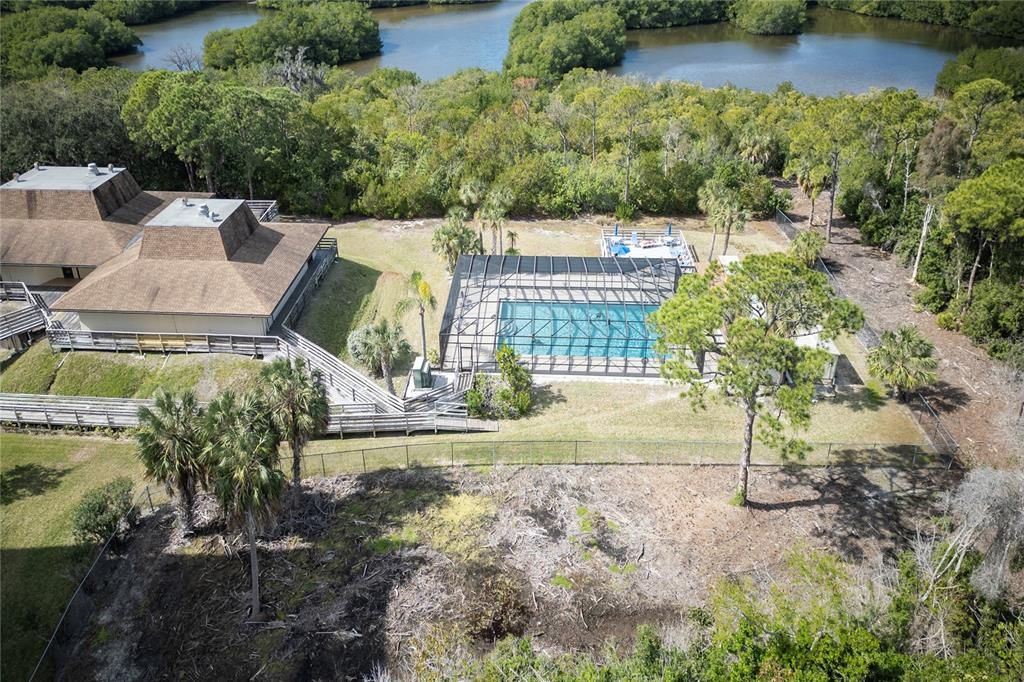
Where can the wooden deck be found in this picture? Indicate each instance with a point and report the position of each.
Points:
(120, 413)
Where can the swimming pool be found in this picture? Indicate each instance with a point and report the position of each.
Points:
(614, 330)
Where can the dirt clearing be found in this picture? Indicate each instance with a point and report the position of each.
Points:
(396, 568)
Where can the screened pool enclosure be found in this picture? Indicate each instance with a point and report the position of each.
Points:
(563, 314)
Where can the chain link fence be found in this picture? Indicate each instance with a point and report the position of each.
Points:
(570, 452)
(923, 412)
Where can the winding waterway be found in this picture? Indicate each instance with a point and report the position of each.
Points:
(838, 51)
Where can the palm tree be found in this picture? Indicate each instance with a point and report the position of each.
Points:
(494, 210)
(298, 403)
(903, 360)
(170, 446)
(245, 457)
(512, 237)
(811, 181)
(453, 238)
(731, 217)
(709, 198)
(757, 147)
(471, 194)
(383, 341)
(422, 296)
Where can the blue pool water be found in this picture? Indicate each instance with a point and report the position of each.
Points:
(577, 329)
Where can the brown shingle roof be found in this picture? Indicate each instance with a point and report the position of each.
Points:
(252, 282)
(48, 241)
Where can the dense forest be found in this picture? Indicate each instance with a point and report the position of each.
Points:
(938, 181)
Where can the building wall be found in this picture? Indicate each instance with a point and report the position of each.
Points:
(291, 290)
(34, 275)
(174, 324)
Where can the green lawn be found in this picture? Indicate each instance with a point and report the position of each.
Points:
(637, 422)
(41, 479)
(125, 375)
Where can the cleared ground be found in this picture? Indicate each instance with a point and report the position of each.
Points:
(125, 375)
(397, 569)
(41, 479)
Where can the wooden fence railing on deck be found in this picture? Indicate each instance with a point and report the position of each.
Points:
(120, 413)
(30, 317)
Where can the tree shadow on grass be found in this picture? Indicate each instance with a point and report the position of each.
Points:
(29, 480)
(330, 316)
(859, 398)
(544, 397)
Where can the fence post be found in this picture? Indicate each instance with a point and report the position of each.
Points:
(494, 454)
(828, 456)
(362, 453)
(453, 452)
(323, 465)
(150, 497)
(406, 454)
(576, 454)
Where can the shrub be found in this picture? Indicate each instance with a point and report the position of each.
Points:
(807, 246)
(996, 312)
(947, 320)
(507, 396)
(104, 512)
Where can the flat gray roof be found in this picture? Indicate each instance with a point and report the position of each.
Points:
(61, 177)
(181, 214)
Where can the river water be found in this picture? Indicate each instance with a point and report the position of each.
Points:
(838, 51)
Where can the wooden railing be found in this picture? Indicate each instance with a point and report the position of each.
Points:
(51, 410)
(139, 342)
(30, 317)
(120, 413)
(265, 210)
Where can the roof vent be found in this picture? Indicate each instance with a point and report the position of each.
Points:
(93, 169)
(110, 168)
(184, 201)
(35, 166)
(17, 177)
(204, 210)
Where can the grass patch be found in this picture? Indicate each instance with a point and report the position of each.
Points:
(562, 581)
(31, 372)
(627, 568)
(453, 525)
(342, 303)
(101, 374)
(41, 479)
(174, 379)
(127, 375)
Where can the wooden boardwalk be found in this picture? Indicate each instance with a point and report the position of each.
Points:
(120, 413)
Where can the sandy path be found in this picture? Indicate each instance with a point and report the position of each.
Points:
(976, 396)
